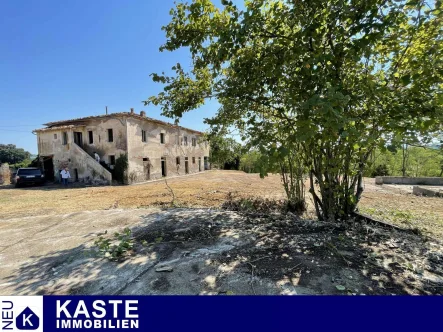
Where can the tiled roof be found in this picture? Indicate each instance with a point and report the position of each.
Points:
(59, 127)
(67, 123)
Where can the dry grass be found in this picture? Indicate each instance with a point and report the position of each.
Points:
(209, 189)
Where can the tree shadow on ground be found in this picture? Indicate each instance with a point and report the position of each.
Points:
(200, 251)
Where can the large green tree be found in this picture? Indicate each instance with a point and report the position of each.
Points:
(10, 154)
(223, 150)
(335, 79)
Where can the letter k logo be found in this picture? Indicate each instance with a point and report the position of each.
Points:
(27, 320)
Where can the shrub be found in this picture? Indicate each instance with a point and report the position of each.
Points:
(262, 205)
(380, 170)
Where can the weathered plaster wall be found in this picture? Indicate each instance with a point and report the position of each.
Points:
(154, 151)
(50, 144)
(144, 158)
(101, 144)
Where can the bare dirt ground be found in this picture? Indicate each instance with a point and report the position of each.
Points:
(48, 234)
(204, 251)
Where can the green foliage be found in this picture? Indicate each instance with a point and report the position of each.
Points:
(115, 249)
(250, 162)
(419, 162)
(322, 83)
(24, 163)
(10, 154)
(223, 150)
(120, 168)
(380, 170)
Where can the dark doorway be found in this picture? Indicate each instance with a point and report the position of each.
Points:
(164, 171)
(199, 164)
(76, 174)
(48, 167)
(186, 165)
(206, 163)
(78, 138)
(147, 168)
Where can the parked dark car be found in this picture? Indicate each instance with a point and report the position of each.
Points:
(29, 176)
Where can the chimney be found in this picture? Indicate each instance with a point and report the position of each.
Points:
(142, 113)
(132, 110)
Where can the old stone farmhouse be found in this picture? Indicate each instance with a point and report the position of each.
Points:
(154, 148)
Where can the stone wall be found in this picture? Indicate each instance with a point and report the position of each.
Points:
(429, 181)
(5, 174)
(420, 191)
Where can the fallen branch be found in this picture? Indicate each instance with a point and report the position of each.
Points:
(259, 259)
(252, 278)
(171, 191)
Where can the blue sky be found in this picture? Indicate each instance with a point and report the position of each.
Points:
(68, 59)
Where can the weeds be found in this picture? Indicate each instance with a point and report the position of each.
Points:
(260, 205)
(117, 248)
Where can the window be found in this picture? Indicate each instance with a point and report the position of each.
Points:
(193, 160)
(65, 138)
(55, 136)
(110, 135)
(91, 137)
(194, 141)
(112, 160)
(177, 160)
(143, 135)
(24, 171)
(186, 140)
(145, 159)
(162, 138)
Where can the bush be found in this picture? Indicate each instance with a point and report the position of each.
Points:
(380, 170)
(262, 205)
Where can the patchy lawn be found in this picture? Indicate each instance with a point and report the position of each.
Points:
(400, 207)
(207, 189)
(210, 189)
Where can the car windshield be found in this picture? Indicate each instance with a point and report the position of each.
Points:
(29, 172)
